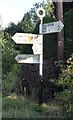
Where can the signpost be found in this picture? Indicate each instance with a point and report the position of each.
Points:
(41, 14)
(37, 41)
(52, 27)
(27, 58)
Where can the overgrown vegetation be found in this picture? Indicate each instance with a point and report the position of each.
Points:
(66, 79)
(20, 84)
(20, 107)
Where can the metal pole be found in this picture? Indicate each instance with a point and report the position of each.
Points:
(41, 55)
(60, 35)
(41, 70)
(41, 14)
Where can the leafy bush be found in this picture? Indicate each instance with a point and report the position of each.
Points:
(11, 81)
(66, 79)
(68, 33)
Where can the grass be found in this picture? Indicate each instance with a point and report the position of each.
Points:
(17, 107)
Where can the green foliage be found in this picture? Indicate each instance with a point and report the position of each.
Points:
(60, 64)
(68, 29)
(19, 108)
(11, 103)
(70, 65)
(49, 9)
(24, 26)
(66, 79)
(10, 70)
(11, 80)
(67, 73)
(26, 23)
(50, 40)
(12, 108)
(12, 28)
(8, 53)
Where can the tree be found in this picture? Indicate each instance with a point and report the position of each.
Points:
(26, 23)
(12, 28)
(8, 54)
(10, 70)
(11, 83)
(49, 9)
(68, 29)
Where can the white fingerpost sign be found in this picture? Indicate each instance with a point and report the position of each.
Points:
(24, 38)
(52, 27)
(37, 40)
(37, 48)
(37, 45)
(27, 58)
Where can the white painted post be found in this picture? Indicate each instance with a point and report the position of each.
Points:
(41, 55)
(41, 14)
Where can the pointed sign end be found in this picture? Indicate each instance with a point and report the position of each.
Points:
(61, 26)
